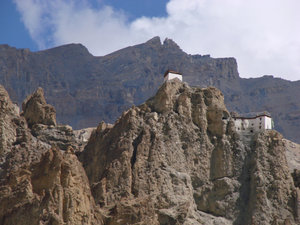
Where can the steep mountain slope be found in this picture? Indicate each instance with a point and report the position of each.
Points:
(40, 184)
(86, 89)
(176, 159)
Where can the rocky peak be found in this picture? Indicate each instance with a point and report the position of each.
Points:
(37, 111)
(171, 45)
(41, 119)
(154, 41)
(40, 184)
(177, 159)
(70, 50)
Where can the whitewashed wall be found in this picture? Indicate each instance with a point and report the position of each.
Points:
(171, 76)
(254, 125)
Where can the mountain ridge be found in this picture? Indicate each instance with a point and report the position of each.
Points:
(86, 89)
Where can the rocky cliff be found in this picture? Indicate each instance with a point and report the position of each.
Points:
(85, 89)
(39, 183)
(175, 159)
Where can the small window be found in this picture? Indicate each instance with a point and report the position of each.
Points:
(259, 127)
(252, 124)
(238, 128)
(251, 131)
(259, 118)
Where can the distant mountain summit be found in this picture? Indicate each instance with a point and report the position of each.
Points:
(86, 89)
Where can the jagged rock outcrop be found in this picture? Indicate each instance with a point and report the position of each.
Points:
(8, 111)
(40, 184)
(41, 118)
(37, 111)
(177, 159)
(15, 135)
(61, 136)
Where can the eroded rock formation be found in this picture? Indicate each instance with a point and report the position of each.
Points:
(54, 190)
(40, 184)
(37, 111)
(177, 159)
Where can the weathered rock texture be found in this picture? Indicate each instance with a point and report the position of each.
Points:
(177, 159)
(292, 154)
(8, 113)
(40, 184)
(52, 191)
(293, 157)
(85, 89)
(37, 111)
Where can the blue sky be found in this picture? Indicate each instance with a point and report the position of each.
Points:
(263, 36)
(138, 8)
(13, 31)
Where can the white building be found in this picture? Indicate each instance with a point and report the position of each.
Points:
(252, 123)
(169, 75)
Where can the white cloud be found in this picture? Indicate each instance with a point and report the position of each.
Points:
(262, 35)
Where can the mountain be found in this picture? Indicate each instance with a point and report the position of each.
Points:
(41, 179)
(175, 159)
(86, 89)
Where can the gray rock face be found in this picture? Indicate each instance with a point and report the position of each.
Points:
(177, 159)
(86, 89)
(61, 136)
